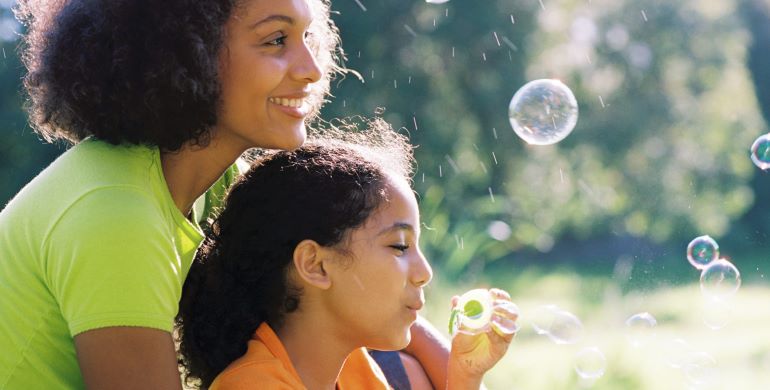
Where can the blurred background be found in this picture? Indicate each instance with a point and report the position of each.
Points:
(671, 96)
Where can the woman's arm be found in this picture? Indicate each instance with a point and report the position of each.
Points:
(431, 349)
(127, 358)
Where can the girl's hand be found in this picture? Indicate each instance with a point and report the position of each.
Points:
(473, 355)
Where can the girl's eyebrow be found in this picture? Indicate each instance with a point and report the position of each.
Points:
(397, 226)
(273, 18)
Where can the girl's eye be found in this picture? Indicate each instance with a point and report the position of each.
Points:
(400, 248)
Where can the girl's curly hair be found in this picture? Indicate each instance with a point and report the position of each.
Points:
(239, 277)
(138, 71)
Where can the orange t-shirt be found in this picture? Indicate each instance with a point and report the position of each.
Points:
(266, 365)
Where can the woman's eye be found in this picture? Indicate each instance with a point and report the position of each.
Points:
(277, 41)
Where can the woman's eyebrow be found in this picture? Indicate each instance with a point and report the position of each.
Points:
(273, 18)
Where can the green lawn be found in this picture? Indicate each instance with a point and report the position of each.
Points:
(735, 356)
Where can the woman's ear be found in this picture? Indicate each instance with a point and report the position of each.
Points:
(308, 262)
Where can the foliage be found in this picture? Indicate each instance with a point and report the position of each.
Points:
(667, 113)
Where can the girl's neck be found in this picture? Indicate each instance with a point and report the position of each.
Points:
(190, 171)
(315, 351)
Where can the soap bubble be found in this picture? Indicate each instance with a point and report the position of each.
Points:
(436, 1)
(701, 251)
(503, 324)
(716, 313)
(700, 368)
(720, 280)
(543, 112)
(676, 352)
(640, 328)
(590, 363)
(561, 326)
(760, 152)
(473, 312)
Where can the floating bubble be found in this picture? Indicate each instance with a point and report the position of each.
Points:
(716, 313)
(760, 152)
(436, 1)
(499, 230)
(473, 312)
(701, 251)
(640, 328)
(700, 368)
(590, 363)
(561, 326)
(720, 280)
(543, 112)
(676, 352)
(503, 324)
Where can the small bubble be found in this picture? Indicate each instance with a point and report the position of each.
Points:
(590, 363)
(760, 152)
(436, 1)
(720, 280)
(559, 325)
(701, 251)
(640, 328)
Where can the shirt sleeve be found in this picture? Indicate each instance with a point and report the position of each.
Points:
(111, 261)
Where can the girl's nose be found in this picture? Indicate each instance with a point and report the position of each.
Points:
(422, 273)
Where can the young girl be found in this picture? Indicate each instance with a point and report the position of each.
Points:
(315, 256)
(160, 98)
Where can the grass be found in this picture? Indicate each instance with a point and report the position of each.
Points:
(734, 356)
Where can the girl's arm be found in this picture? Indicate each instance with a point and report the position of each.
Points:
(127, 358)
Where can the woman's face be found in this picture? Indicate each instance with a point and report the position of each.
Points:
(267, 71)
(377, 294)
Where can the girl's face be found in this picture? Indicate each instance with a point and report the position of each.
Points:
(377, 294)
(267, 72)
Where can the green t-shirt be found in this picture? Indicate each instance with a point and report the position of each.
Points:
(94, 241)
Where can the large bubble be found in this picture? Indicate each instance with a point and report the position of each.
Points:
(720, 280)
(701, 251)
(760, 152)
(543, 112)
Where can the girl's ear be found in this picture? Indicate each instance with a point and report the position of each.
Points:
(308, 262)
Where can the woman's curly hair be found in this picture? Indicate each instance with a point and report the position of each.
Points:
(239, 277)
(138, 71)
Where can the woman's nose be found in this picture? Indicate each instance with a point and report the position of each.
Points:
(305, 67)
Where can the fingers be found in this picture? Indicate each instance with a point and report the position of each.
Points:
(505, 315)
(454, 301)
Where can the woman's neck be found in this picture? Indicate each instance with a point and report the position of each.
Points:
(315, 351)
(190, 171)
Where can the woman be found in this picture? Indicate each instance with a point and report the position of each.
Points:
(314, 256)
(160, 99)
